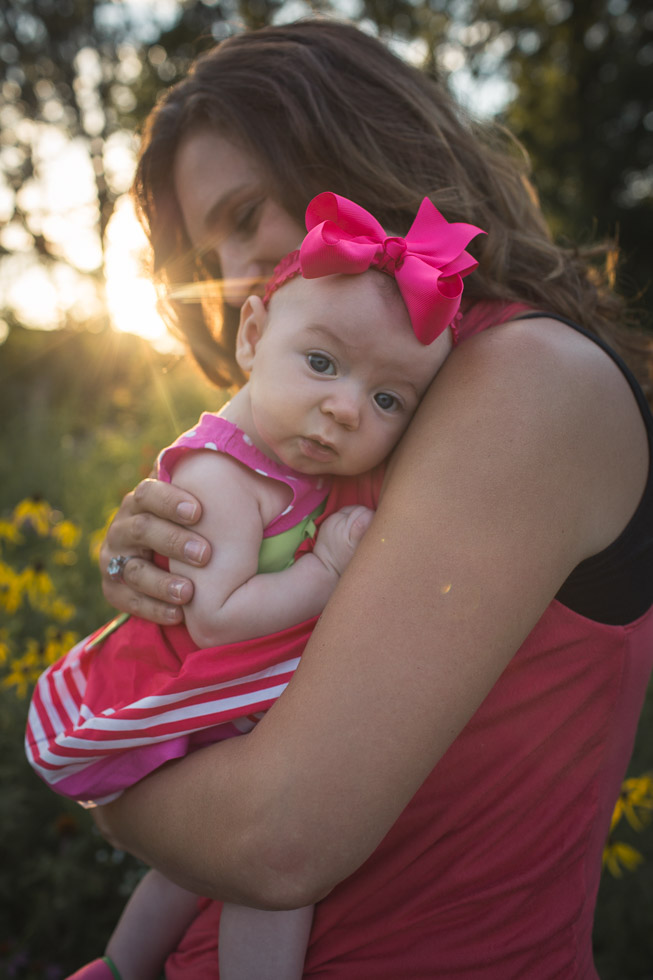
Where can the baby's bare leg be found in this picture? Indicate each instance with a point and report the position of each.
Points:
(152, 923)
(258, 945)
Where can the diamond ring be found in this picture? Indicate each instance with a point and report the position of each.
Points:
(116, 567)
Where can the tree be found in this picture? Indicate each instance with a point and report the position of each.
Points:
(583, 107)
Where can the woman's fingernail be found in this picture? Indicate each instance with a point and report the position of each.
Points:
(186, 511)
(194, 551)
(172, 614)
(176, 590)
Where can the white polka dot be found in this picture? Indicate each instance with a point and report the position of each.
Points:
(210, 445)
(191, 433)
(289, 477)
(262, 472)
(286, 511)
(247, 440)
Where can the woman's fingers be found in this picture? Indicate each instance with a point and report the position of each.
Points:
(146, 523)
(165, 500)
(148, 591)
(152, 518)
(144, 533)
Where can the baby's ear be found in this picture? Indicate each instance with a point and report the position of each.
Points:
(253, 317)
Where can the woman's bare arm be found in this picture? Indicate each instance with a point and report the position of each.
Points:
(155, 516)
(513, 471)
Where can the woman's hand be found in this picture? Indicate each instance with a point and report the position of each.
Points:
(153, 518)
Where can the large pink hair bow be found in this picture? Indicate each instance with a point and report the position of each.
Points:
(428, 264)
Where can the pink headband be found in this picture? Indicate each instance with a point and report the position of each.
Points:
(428, 264)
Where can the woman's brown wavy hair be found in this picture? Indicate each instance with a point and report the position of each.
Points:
(323, 106)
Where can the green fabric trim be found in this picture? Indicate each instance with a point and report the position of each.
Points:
(278, 551)
(112, 966)
(108, 630)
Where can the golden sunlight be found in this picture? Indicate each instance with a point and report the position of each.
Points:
(130, 295)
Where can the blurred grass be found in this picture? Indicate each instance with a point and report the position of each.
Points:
(83, 417)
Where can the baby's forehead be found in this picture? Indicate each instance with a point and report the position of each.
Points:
(362, 311)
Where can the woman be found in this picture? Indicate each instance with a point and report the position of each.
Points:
(440, 773)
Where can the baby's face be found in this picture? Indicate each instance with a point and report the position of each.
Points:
(337, 373)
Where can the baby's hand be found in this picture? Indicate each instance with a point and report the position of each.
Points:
(340, 535)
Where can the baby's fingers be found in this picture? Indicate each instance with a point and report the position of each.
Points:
(358, 522)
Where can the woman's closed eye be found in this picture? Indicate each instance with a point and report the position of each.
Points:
(247, 216)
(321, 363)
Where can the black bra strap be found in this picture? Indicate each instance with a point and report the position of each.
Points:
(616, 585)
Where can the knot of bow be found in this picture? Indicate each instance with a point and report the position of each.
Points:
(428, 264)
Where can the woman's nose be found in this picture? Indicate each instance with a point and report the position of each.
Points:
(343, 404)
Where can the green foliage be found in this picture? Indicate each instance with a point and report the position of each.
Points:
(583, 107)
(83, 417)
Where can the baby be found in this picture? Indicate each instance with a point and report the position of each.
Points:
(339, 351)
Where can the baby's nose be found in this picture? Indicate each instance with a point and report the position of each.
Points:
(344, 406)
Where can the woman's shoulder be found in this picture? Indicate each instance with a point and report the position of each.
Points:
(547, 352)
(535, 389)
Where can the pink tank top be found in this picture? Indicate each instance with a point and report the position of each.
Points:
(492, 870)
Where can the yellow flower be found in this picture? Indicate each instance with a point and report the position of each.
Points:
(34, 511)
(616, 855)
(11, 588)
(67, 558)
(5, 649)
(10, 532)
(38, 585)
(635, 802)
(97, 537)
(67, 534)
(25, 670)
(60, 610)
(57, 643)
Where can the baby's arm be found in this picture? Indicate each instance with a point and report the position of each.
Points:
(231, 601)
(152, 923)
(258, 945)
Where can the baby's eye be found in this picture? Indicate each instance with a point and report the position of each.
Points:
(386, 401)
(321, 364)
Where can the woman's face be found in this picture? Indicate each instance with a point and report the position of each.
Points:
(227, 211)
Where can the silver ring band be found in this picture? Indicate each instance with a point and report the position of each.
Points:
(116, 567)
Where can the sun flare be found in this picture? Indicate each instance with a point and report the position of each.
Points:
(130, 295)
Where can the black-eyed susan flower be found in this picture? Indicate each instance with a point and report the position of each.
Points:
(57, 643)
(11, 588)
(5, 649)
(617, 856)
(9, 532)
(24, 670)
(38, 586)
(60, 610)
(635, 802)
(34, 512)
(66, 534)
